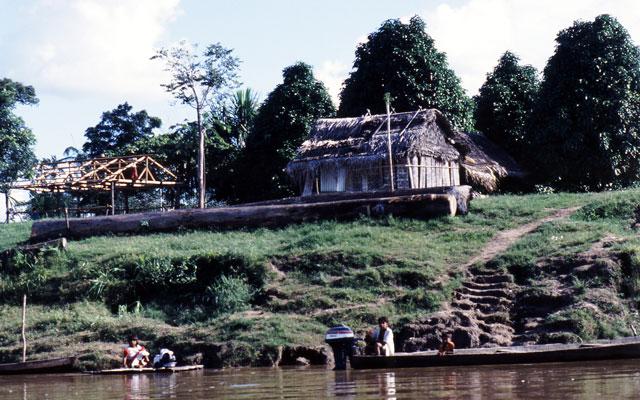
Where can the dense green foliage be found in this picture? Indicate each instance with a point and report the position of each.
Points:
(586, 126)
(239, 117)
(282, 123)
(16, 139)
(401, 59)
(119, 132)
(505, 104)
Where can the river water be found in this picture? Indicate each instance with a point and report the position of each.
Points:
(593, 380)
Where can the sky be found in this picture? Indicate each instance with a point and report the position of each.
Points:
(84, 57)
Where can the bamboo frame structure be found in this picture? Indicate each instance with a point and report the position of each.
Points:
(99, 174)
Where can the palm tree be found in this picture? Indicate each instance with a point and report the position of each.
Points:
(244, 105)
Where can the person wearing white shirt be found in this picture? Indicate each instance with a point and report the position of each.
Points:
(383, 336)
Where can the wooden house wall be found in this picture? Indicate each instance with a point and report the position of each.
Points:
(416, 173)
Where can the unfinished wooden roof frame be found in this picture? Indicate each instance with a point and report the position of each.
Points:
(99, 174)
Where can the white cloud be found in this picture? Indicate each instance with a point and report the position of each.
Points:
(332, 74)
(93, 46)
(476, 33)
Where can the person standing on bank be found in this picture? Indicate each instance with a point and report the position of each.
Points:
(383, 336)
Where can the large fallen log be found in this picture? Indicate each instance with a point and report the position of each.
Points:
(462, 194)
(422, 205)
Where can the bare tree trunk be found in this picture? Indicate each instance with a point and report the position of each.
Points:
(201, 181)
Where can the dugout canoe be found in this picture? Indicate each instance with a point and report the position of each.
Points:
(133, 371)
(52, 365)
(599, 350)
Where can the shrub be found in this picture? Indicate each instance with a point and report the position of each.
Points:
(229, 294)
(419, 299)
(611, 207)
(369, 278)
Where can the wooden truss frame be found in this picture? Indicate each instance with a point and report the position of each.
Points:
(99, 174)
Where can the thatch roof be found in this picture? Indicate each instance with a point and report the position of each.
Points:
(356, 142)
(363, 140)
(485, 163)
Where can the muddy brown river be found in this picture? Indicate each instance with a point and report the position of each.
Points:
(594, 380)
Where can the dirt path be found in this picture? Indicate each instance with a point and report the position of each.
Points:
(502, 240)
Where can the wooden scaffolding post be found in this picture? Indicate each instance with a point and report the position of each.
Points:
(113, 198)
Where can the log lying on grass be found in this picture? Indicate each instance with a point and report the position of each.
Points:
(421, 205)
(60, 244)
(462, 193)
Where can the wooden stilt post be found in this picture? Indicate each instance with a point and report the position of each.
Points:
(24, 323)
(66, 217)
(113, 198)
(387, 100)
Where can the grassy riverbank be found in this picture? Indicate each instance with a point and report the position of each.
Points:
(240, 297)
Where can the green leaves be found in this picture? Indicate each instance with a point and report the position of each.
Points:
(16, 139)
(119, 132)
(401, 59)
(587, 121)
(282, 123)
(505, 102)
(199, 80)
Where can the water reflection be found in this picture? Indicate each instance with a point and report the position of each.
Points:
(597, 380)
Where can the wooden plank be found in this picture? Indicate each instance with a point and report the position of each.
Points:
(308, 185)
(341, 178)
(135, 371)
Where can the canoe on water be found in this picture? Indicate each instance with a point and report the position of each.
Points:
(598, 350)
(131, 371)
(53, 365)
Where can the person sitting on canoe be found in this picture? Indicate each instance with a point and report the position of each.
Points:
(383, 337)
(447, 345)
(135, 355)
(165, 359)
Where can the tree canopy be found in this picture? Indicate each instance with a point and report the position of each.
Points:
(119, 132)
(505, 103)
(401, 59)
(282, 123)
(201, 82)
(16, 139)
(587, 119)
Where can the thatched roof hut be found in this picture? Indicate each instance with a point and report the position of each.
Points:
(351, 154)
(485, 164)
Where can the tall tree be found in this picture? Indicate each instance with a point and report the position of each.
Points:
(119, 131)
(587, 119)
(401, 59)
(283, 122)
(16, 139)
(200, 81)
(505, 102)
